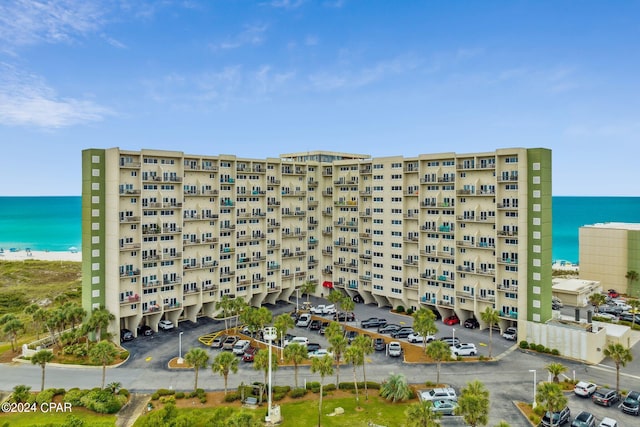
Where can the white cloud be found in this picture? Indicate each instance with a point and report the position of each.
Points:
(251, 35)
(286, 4)
(26, 100)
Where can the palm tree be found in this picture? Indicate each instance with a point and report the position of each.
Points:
(424, 323)
(421, 414)
(346, 305)
(620, 356)
(355, 356)
(12, 327)
(283, 323)
(365, 343)
(198, 358)
(295, 353)
(103, 353)
(438, 351)
(31, 310)
(490, 316)
(74, 314)
(473, 404)
(337, 345)
(114, 386)
(261, 362)
(336, 297)
(238, 306)
(551, 398)
(556, 369)
(323, 366)
(596, 300)
(99, 321)
(225, 305)
(395, 388)
(308, 288)
(224, 363)
(632, 276)
(41, 358)
(635, 305)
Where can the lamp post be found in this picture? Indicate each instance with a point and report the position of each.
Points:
(533, 405)
(180, 360)
(270, 334)
(297, 296)
(453, 335)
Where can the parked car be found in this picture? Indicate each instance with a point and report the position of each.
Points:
(229, 342)
(631, 403)
(379, 344)
(388, 328)
(126, 335)
(451, 320)
(557, 302)
(315, 325)
(350, 335)
(358, 299)
(511, 333)
(444, 407)
(373, 322)
(440, 393)
(395, 349)
(630, 317)
(612, 293)
(345, 317)
(313, 346)
(303, 320)
(605, 396)
(323, 327)
(318, 309)
(464, 349)
(608, 422)
(249, 354)
(240, 347)
(321, 352)
(218, 341)
(451, 340)
(403, 332)
(471, 323)
(299, 340)
(165, 325)
(145, 330)
(584, 388)
(584, 419)
(416, 337)
(559, 418)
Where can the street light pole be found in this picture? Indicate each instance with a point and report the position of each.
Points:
(270, 334)
(180, 348)
(533, 405)
(454, 335)
(297, 296)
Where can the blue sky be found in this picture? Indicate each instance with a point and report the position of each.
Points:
(261, 78)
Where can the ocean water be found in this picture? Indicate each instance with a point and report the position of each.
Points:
(54, 223)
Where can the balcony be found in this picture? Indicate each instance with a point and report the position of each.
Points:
(129, 246)
(130, 273)
(173, 306)
(130, 299)
(129, 219)
(129, 192)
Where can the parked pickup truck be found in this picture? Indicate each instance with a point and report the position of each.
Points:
(373, 322)
(323, 309)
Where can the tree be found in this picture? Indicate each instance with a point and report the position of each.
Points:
(21, 393)
(620, 356)
(395, 388)
(99, 321)
(365, 343)
(295, 353)
(223, 364)
(198, 358)
(238, 306)
(551, 398)
(308, 288)
(596, 300)
(103, 353)
(225, 305)
(424, 323)
(632, 276)
(37, 320)
(12, 326)
(73, 313)
(114, 386)
(346, 305)
(438, 351)
(336, 297)
(323, 366)
(473, 404)
(283, 323)
(421, 414)
(261, 362)
(355, 356)
(337, 344)
(490, 316)
(556, 369)
(41, 358)
(635, 305)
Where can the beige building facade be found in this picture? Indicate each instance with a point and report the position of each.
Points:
(166, 234)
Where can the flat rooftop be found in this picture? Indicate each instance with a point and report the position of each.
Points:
(615, 225)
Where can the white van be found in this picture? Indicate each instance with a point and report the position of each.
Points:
(297, 340)
(240, 347)
(303, 320)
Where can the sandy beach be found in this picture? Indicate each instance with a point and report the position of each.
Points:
(23, 255)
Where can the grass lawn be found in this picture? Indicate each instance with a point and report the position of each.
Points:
(52, 418)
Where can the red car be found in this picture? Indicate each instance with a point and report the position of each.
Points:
(613, 293)
(249, 354)
(451, 320)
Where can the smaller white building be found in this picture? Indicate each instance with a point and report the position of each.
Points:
(575, 292)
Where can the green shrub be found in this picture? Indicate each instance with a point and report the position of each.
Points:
(281, 389)
(73, 396)
(180, 395)
(524, 345)
(156, 396)
(539, 348)
(278, 395)
(45, 396)
(297, 393)
(102, 401)
(124, 355)
(409, 311)
(400, 309)
(203, 399)
(371, 385)
(165, 392)
(555, 352)
(124, 392)
(168, 399)
(430, 384)
(232, 397)
(314, 386)
(21, 393)
(329, 387)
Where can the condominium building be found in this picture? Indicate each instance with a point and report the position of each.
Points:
(167, 234)
(609, 252)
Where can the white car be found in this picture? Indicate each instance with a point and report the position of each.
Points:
(608, 422)
(584, 388)
(416, 337)
(323, 309)
(240, 347)
(303, 320)
(297, 340)
(395, 349)
(464, 349)
(165, 324)
(442, 393)
(321, 352)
